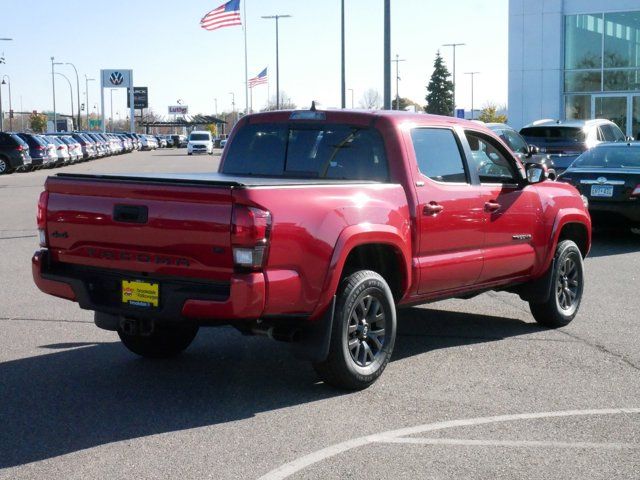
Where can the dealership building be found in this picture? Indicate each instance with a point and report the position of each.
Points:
(575, 59)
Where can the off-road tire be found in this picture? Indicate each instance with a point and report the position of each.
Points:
(349, 365)
(567, 287)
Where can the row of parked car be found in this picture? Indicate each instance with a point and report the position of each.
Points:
(30, 151)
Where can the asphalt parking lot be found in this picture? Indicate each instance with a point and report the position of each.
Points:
(475, 389)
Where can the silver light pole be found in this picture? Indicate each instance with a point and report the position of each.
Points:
(53, 84)
(276, 18)
(70, 91)
(8, 83)
(472, 77)
(77, 89)
(454, 45)
(86, 93)
(351, 90)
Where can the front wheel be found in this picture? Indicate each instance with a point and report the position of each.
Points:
(165, 341)
(363, 333)
(567, 285)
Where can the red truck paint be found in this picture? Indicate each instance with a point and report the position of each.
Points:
(485, 236)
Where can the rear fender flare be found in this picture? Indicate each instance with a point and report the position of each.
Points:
(352, 237)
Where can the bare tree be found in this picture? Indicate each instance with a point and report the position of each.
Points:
(371, 100)
(285, 103)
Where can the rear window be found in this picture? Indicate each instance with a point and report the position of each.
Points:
(334, 151)
(609, 157)
(19, 141)
(199, 137)
(553, 134)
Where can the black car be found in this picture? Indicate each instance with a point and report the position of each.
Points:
(525, 152)
(564, 140)
(38, 150)
(14, 153)
(609, 176)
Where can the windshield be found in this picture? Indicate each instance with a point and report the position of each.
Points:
(307, 151)
(609, 157)
(199, 137)
(553, 134)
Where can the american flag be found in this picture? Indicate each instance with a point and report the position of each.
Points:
(259, 79)
(226, 15)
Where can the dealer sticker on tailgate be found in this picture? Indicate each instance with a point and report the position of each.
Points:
(139, 293)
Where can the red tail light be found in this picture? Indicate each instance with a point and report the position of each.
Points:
(250, 231)
(60, 147)
(20, 148)
(40, 147)
(41, 218)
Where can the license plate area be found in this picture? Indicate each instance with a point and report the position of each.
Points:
(602, 190)
(139, 293)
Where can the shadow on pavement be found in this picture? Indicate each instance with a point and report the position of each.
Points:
(605, 243)
(93, 394)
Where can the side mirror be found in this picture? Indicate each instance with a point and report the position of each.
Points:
(629, 139)
(533, 150)
(536, 173)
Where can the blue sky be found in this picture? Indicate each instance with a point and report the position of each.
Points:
(168, 51)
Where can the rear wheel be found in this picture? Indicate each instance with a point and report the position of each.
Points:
(567, 285)
(165, 341)
(363, 333)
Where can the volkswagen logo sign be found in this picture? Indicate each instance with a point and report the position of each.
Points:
(601, 180)
(116, 78)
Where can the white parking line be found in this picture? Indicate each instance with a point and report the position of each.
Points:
(509, 443)
(301, 463)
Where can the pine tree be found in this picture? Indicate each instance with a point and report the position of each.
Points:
(440, 90)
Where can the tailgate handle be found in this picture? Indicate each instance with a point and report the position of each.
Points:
(130, 213)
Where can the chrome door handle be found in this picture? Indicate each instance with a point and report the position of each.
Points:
(432, 208)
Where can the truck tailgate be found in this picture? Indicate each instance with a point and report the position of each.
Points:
(175, 229)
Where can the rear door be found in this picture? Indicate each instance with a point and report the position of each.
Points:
(449, 216)
(509, 210)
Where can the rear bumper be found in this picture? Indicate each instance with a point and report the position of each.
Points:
(243, 298)
(615, 213)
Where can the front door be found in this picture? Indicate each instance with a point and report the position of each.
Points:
(510, 211)
(450, 213)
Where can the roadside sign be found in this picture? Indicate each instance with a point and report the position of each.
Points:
(95, 124)
(178, 109)
(459, 112)
(140, 98)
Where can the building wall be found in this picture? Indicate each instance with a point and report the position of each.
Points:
(536, 37)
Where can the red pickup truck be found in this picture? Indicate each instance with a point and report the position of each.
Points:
(317, 227)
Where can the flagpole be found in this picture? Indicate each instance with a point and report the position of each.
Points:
(246, 69)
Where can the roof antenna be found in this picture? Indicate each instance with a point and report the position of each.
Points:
(313, 106)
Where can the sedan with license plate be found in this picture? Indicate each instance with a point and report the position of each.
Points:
(608, 175)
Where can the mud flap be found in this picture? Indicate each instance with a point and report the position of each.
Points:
(313, 343)
(537, 291)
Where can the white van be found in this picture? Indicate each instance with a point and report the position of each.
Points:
(200, 142)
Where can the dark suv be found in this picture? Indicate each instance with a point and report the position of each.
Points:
(564, 140)
(14, 153)
(38, 150)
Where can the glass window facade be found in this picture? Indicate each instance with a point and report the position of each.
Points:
(602, 60)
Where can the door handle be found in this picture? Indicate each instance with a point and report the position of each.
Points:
(491, 206)
(432, 208)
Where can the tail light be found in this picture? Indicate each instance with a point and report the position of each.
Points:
(60, 147)
(636, 191)
(20, 148)
(40, 147)
(41, 218)
(250, 231)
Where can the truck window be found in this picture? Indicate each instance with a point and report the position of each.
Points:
(492, 165)
(307, 151)
(438, 155)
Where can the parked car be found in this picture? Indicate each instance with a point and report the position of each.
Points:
(609, 176)
(148, 142)
(14, 153)
(39, 151)
(62, 150)
(319, 224)
(564, 140)
(75, 149)
(162, 142)
(526, 153)
(179, 141)
(88, 145)
(200, 142)
(223, 143)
